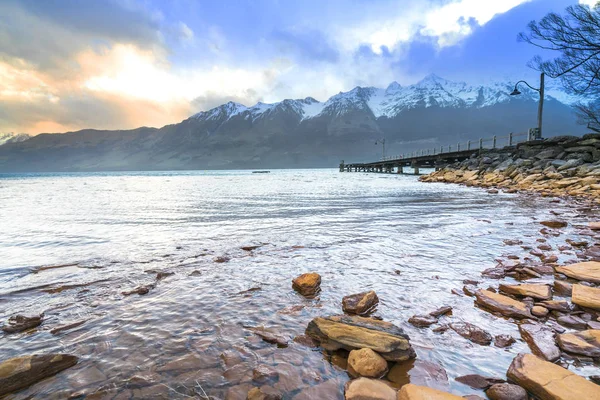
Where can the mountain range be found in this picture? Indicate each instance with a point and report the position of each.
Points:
(302, 132)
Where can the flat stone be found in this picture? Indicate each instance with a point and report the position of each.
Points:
(368, 389)
(595, 226)
(189, 361)
(541, 340)
(503, 341)
(307, 284)
(354, 332)
(441, 311)
(19, 323)
(21, 372)
(414, 392)
(546, 380)
(502, 304)
(558, 305)
(588, 271)
(361, 303)
(506, 391)
(472, 332)
(477, 381)
(572, 321)
(419, 372)
(422, 321)
(367, 363)
(537, 291)
(330, 389)
(586, 343)
(270, 336)
(554, 224)
(586, 296)
(539, 311)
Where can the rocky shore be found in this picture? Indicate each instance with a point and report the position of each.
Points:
(558, 166)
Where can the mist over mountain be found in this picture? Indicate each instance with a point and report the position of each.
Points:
(13, 137)
(302, 132)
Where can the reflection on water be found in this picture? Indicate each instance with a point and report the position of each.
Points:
(410, 242)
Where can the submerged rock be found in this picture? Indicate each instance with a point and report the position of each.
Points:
(546, 380)
(502, 304)
(19, 323)
(367, 363)
(270, 337)
(414, 392)
(141, 290)
(353, 332)
(586, 343)
(419, 372)
(472, 332)
(368, 389)
(361, 303)
(307, 284)
(541, 340)
(21, 372)
(584, 271)
(258, 394)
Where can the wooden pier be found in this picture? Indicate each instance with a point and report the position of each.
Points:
(437, 157)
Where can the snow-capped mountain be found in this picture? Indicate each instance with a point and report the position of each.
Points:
(304, 132)
(13, 137)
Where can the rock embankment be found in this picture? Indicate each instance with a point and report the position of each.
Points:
(558, 166)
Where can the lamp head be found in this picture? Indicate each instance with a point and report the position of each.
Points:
(515, 92)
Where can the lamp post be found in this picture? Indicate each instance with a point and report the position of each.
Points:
(382, 141)
(541, 103)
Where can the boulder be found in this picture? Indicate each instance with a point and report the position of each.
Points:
(367, 363)
(414, 392)
(368, 389)
(502, 304)
(537, 291)
(584, 271)
(506, 391)
(19, 323)
(586, 343)
(595, 226)
(307, 284)
(546, 380)
(554, 224)
(472, 332)
(361, 303)
(354, 332)
(586, 296)
(541, 340)
(503, 340)
(21, 372)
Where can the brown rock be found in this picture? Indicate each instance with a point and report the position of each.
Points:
(353, 332)
(572, 321)
(368, 389)
(539, 311)
(263, 373)
(419, 372)
(595, 226)
(541, 340)
(558, 305)
(502, 304)
(307, 341)
(258, 394)
(270, 336)
(472, 332)
(361, 303)
(563, 288)
(327, 390)
(549, 381)
(367, 363)
(503, 341)
(542, 292)
(477, 381)
(19, 323)
(141, 290)
(554, 224)
(506, 391)
(21, 372)
(585, 271)
(307, 284)
(441, 311)
(586, 343)
(422, 321)
(414, 392)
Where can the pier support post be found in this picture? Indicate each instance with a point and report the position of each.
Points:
(400, 169)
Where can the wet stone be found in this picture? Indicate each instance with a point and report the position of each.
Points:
(541, 292)
(306, 340)
(361, 303)
(555, 224)
(307, 284)
(472, 333)
(20, 323)
(562, 288)
(270, 336)
(541, 340)
(477, 381)
(585, 271)
(367, 363)
(506, 391)
(585, 296)
(419, 372)
(558, 305)
(539, 311)
(586, 343)
(502, 304)
(422, 321)
(259, 394)
(330, 390)
(415, 392)
(572, 321)
(441, 311)
(141, 290)
(368, 389)
(503, 341)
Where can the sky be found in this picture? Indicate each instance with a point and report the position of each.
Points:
(67, 65)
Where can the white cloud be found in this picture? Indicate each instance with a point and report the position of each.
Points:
(590, 3)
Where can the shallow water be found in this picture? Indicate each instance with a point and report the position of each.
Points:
(410, 242)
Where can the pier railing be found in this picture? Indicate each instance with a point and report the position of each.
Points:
(484, 143)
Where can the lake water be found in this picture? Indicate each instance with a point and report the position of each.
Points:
(410, 242)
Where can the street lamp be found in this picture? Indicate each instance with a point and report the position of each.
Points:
(541, 103)
(382, 141)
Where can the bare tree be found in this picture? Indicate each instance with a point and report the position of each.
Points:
(576, 36)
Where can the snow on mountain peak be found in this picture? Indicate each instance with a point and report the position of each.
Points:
(393, 87)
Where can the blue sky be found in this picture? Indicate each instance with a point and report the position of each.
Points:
(116, 64)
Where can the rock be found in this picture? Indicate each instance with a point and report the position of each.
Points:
(221, 259)
(554, 224)
(477, 381)
(353, 332)
(19, 323)
(572, 321)
(414, 392)
(368, 389)
(258, 394)
(506, 391)
(163, 274)
(562, 288)
(305, 340)
(419, 372)
(367, 363)
(21, 372)
(502, 304)
(593, 324)
(270, 337)
(585, 296)
(360, 303)
(585, 271)
(503, 341)
(472, 332)
(541, 340)
(546, 380)
(586, 343)
(469, 290)
(141, 290)
(250, 248)
(494, 273)
(263, 373)
(537, 291)
(307, 284)
(558, 305)
(422, 321)
(441, 311)
(539, 311)
(595, 226)
(67, 327)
